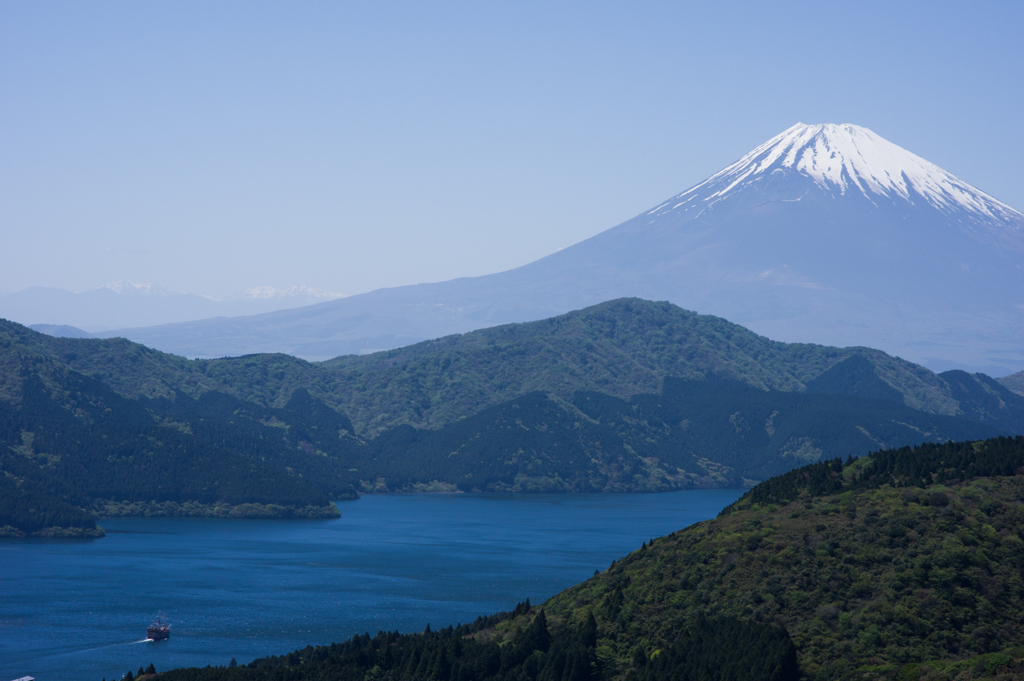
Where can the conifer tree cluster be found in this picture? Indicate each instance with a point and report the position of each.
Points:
(918, 466)
(536, 652)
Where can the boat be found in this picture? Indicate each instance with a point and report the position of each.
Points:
(158, 631)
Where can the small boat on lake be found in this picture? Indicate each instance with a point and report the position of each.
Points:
(158, 631)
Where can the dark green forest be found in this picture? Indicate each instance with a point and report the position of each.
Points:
(628, 396)
(620, 348)
(722, 649)
(71, 445)
(693, 434)
(891, 566)
(76, 444)
(760, 433)
(906, 467)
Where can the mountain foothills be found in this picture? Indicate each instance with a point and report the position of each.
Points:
(71, 445)
(625, 396)
(824, 233)
(903, 565)
(621, 348)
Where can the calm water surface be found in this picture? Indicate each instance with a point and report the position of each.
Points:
(78, 609)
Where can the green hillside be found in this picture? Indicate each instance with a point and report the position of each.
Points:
(710, 433)
(684, 401)
(620, 348)
(72, 441)
(756, 434)
(71, 446)
(722, 649)
(901, 558)
(903, 565)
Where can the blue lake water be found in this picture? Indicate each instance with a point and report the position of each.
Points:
(78, 609)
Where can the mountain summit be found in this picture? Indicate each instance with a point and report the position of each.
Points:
(825, 233)
(847, 159)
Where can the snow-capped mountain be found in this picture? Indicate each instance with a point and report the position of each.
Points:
(848, 158)
(825, 233)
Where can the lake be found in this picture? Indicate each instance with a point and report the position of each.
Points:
(78, 609)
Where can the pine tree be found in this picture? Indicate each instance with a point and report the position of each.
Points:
(539, 638)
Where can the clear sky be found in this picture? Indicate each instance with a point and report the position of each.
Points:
(212, 147)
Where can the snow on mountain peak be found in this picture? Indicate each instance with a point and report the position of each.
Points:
(847, 158)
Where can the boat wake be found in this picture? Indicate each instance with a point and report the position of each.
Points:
(79, 651)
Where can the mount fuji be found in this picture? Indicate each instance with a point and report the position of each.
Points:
(824, 234)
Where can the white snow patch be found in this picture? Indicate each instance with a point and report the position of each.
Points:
(850, 158)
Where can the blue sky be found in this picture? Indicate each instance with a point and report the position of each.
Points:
(216, 146)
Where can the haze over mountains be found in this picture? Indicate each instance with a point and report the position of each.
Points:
(122, 304)
(826, 233)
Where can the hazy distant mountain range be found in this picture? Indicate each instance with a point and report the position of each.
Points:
(825, 233)
(122, 304)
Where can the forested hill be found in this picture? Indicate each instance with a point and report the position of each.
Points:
(620, 348)
(683, 401)
(905, 565)
(72, 440)
(905, 467)
(70, 446)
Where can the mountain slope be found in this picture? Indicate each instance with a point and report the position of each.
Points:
(620, 348)
(744, 434)
(69, 444)
(872, 569)
(709, 433)
(686, 401)
(1013, 383)
(60, 330)
(825, 233)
